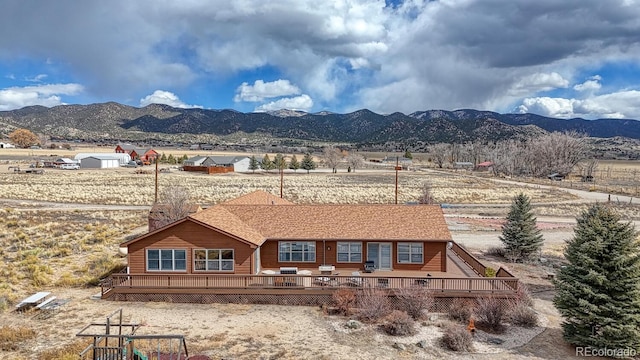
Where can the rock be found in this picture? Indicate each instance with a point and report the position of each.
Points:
(543, 260)
(422, 344)
(400, 347)
(353, 324)
(433, 317)
(494, 340)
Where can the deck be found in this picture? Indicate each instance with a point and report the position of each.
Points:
(463, 278)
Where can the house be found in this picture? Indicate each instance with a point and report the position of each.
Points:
(137, 153)
(99, 162)
(484, 166)
(6, 145)
(252, 249)
(402, 161)
(238, 238)
(233, 163)
(122, 157)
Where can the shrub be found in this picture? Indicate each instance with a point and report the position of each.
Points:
(344, 300)
(523, 295)
(414, 301)
(11, 337)
(496, 251)
(489, 313)
(489, 272)
(522, 315)
(457, 338)
(399, 323)
(461, 310)
(373, 304)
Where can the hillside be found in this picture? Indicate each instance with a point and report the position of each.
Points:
(116, 121)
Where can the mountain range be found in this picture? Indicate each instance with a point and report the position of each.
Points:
(116, 121)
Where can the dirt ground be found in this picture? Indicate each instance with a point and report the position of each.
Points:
(234, 331)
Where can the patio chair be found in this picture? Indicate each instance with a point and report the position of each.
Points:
(369, 266)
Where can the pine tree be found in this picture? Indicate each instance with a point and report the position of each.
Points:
(521, 238)
(279, 162)
(266, 163)
(171, 159)
(294, 164)
(308, 163)
(163, 158)
(254, 164)
(408, 155)
(598, 292)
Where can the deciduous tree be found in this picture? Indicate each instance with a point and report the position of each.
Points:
(331, 157)
(598, 292)
(24, 138)
(173, 205)
(355, 161)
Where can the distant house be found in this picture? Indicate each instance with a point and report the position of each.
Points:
(137, 153)
(463, 165)
(6, 145)
(99, 162)
(201, 163)
(484, 166)
(400, 160)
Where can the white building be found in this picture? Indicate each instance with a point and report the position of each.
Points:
(6, 146)
(99, 162)
(122, 157)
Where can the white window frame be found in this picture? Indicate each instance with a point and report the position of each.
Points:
(306, 245)
(160, 260)
(220, 261)
(349, 252)
(413, 248)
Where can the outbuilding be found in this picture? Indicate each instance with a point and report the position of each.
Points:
(99, 162)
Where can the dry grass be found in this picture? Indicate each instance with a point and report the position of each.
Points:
(11, 337)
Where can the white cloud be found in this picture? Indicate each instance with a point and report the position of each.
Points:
(592, 84)
(45, 95)
(37, 78)
(167, 98)
(623, 104)
(301, 103)
(261, 90)
(534, 83)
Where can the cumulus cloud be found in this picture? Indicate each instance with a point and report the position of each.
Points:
(261, 90)
(37, 78)
(534, 83)
(301, 103)
(623, 104)
(167, 98)
(45, 95)
(592, 84)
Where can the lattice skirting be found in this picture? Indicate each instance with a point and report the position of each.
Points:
(440, 304)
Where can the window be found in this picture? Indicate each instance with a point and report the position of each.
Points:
(166, 260)
(410, 253)
(350, 252)
(297, 251)
(213, 260)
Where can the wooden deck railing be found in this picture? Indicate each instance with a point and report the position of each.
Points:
(471, 260)
(282, 282)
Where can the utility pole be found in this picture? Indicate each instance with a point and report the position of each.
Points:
(397, 169)
(155, 201)
(281, 180)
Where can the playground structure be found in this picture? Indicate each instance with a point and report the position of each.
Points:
(115, 340)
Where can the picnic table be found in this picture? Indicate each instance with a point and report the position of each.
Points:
(32, 300)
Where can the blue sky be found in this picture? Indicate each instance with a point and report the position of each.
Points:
(572, 58)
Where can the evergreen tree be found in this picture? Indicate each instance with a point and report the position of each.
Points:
(171, 160)
(266, 163)
(184, 157)
(521, 238)
(254, 164)
(308, 163)
(598, 292)
(294, 164)
(408, 155)
(163, 158)
(279, 162)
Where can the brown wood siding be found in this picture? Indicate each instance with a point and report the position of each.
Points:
(190, 236)
(435, 256)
